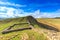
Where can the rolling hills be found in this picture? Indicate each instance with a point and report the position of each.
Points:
(27, 28)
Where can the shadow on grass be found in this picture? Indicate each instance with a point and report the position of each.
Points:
(15, 25)
(34, 21)
(47, 26)
(20, 29)
(15, 30)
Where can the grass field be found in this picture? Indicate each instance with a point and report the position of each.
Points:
(35, 33)
(52, 22)
(19, 35)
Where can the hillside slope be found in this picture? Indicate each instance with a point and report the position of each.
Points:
(20, 29)
(26, 28)
(52, 22)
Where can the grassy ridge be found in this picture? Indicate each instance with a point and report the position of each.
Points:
(20, 35)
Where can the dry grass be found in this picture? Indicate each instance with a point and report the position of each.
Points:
(52, 22)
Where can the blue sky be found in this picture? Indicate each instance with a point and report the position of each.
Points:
(36, 8)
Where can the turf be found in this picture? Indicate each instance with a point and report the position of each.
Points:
(19, 35)
(50, 21)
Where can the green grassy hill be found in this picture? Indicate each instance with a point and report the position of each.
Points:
(28, 29)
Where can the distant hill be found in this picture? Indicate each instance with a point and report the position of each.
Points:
(57, 17)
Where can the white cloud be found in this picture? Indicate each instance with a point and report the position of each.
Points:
(11, 4)
(9, 12)
(38, 14)
(49, 15)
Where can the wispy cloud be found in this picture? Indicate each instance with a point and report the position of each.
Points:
(11, 4)
(50, 14)
(9, 12)
(39, 14)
